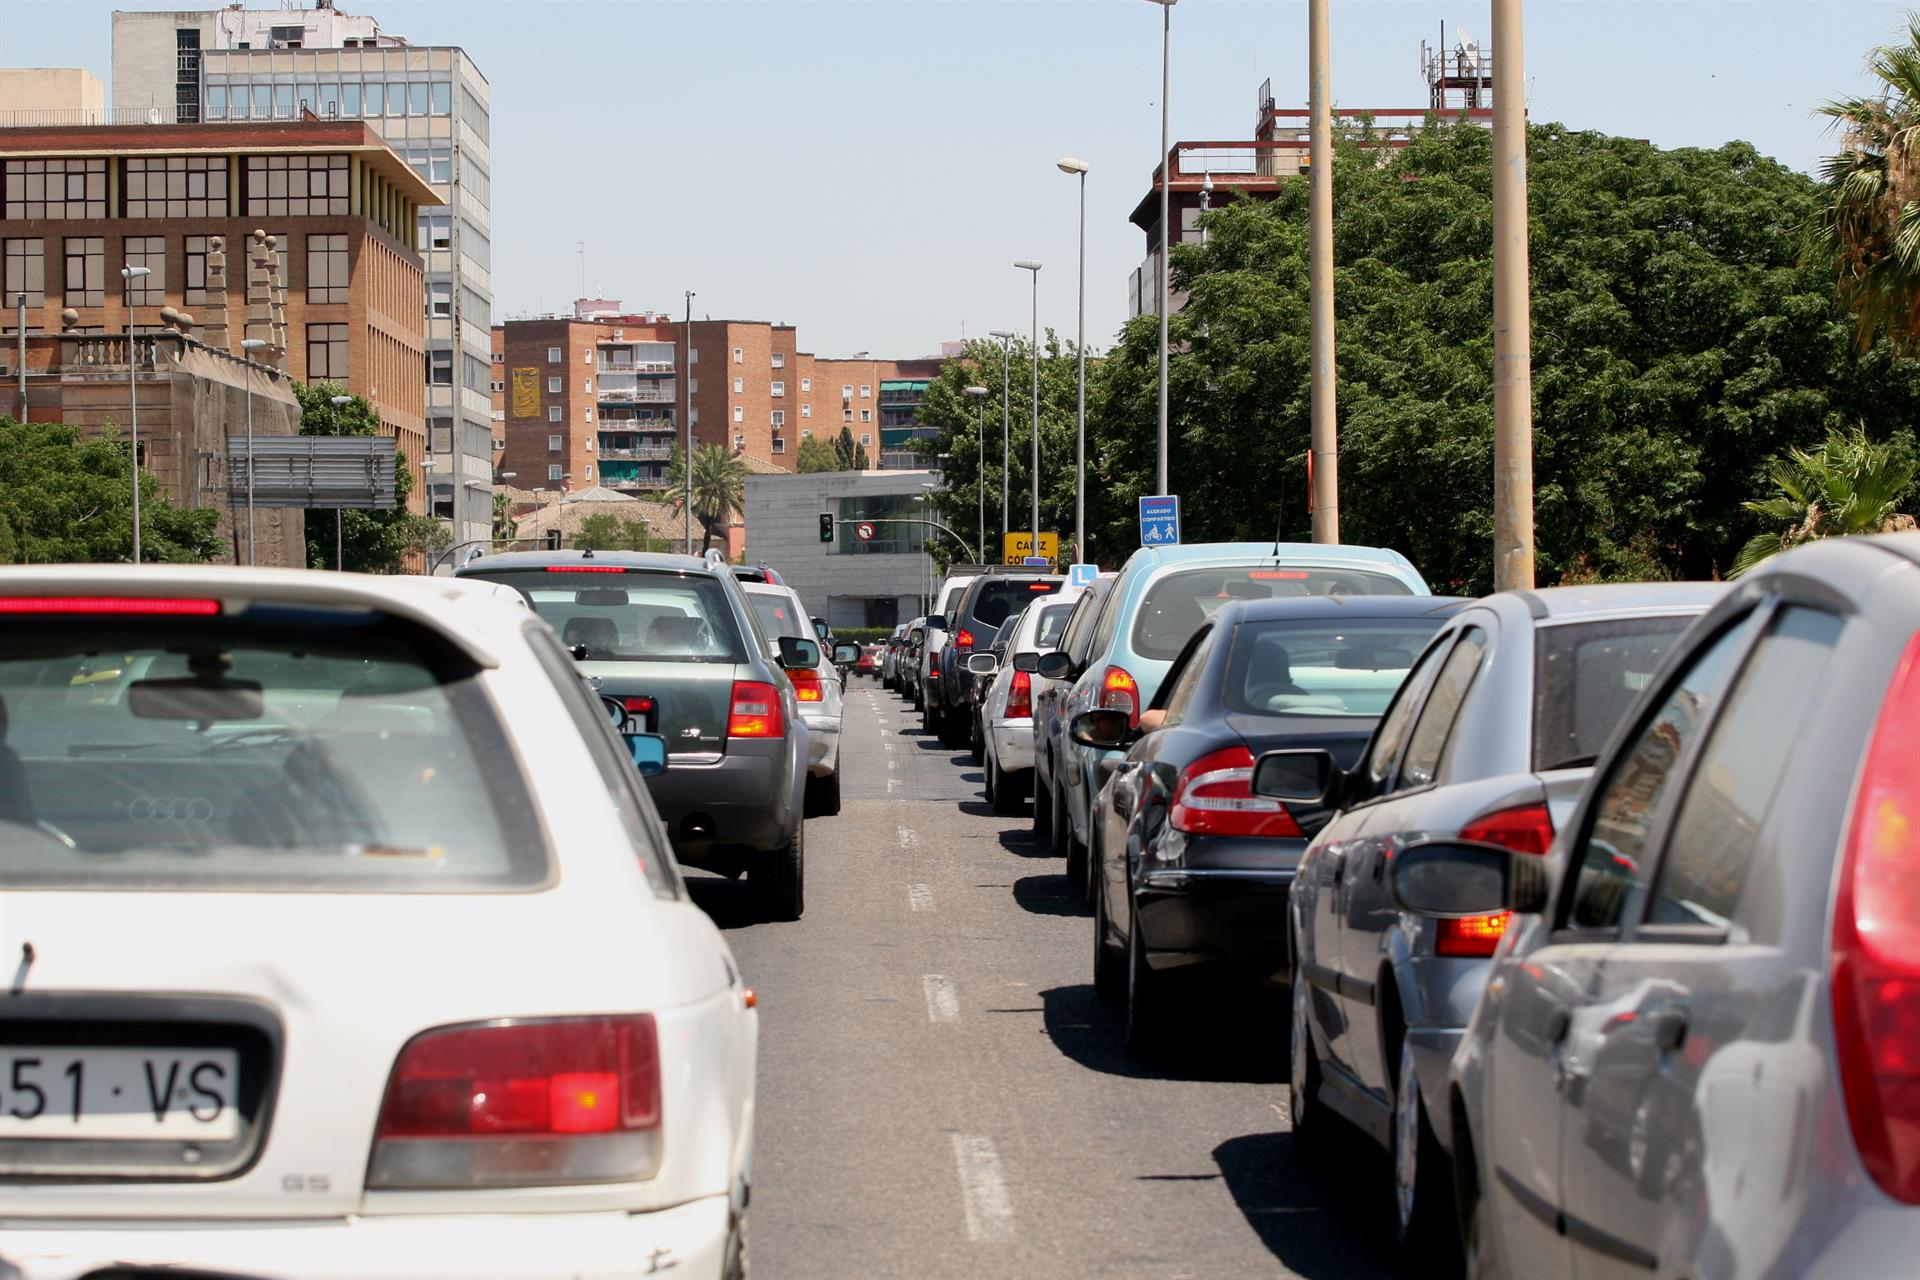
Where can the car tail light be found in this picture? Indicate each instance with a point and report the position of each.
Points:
(1214, 796)
(1526, 828)
(585, 568)
(1876, 946)
(755, 711)
(639, 706)
(1020, 697)
(806, 684)
(933, 668)
(173, 606)
(1118, 692)
(522, 1103)
(963, 638)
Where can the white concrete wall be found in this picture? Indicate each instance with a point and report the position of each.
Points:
(783, 530)
(144, 55)
(51, 89)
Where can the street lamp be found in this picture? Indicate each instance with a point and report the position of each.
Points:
(130, 274)
(1006, 430)
(686, 379)
(338, 561)
(979, 395)
(1029, 264)
(1166, 231)
(1072, 166)
(249, 346)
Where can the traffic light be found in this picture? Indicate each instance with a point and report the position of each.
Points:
(826, 526)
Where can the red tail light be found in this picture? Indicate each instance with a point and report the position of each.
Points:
(963, 638)
(519, 1103)
(933, 669)
(1020, 697)
(806, 685)
(1215, 797)
(1118, 692)
(1876, 946)
(640, 706)
(585, 568)
(1526, 828)
(755, 711)
(163, 605)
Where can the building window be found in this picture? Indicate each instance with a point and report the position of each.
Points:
(806, 411)
(56, 189)
(866, 391)
(806, 384)
(739, 355)
(739, 442)
(326, 352)
(297, 185)
(866, 439)
(693, 386)
(327, 270)
(779, 389)
(739, 385)
(586, 357)
(693, 355)
(589, 415)
(442, 94)
(27, 271)
(866, 415)
(176, 186)
(439, 297)
(86, 271)
(779, 445)
(440, 368)
(846, 415)
(196, 262)
(553, 471)
(148, 290)
(779, 359)
(553, 444)
(553, 355)
(553, 386)
(779, 418)
(499, 357)
(694, 418)
(806, 433)
(589, 471)
(586, 386)
(739, 413)
(846, 391)
(553, 413)
(497, 386)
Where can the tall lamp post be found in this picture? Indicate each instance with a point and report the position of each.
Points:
(686, 377)
(1166, 230)
(1006, 425)
(979, 395)
(1031, 265)
(249, 346)
(339, 563)
(1073, 166)
(1512, 331)
(130, 274)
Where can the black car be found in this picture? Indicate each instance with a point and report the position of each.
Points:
(989, 601)
(1190, 870)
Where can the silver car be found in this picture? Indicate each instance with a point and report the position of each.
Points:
(1049, 726)
(779, 612)
(1006, 711)
(1698, 1051)
(1490, 737)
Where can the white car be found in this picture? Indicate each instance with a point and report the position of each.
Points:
(1006, 712)
(345, 942)
(822, 705)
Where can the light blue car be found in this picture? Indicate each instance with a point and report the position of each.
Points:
(1162, 596)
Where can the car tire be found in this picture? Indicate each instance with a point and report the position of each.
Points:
(978, 741)
(1056, 826)
(1042, 809)
(823, 796)
(733, 1264)
(1146, 997)
(780, 878)
(1077, 856)
(953, 734)
(1109, 979)
(1422, 1179)
(1478, 1229)
(1310, 1116)
(1006, 795)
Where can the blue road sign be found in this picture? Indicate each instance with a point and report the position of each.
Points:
(1082, 575)
(1160, 521)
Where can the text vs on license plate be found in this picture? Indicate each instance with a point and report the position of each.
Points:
(119, 1094)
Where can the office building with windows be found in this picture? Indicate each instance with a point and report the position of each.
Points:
(430, 103)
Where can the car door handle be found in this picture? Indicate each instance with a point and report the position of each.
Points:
(1670, 1027)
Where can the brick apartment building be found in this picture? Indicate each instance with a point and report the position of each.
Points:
(340, 206)
(596, 398)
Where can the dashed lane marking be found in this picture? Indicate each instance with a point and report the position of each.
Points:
(983, 1190)
(943, 998)
(908, 837)
(919, 898)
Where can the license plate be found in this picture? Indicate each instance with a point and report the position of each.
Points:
(119, 1094)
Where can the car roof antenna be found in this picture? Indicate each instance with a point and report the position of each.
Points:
(1278, 525)
(586, 553)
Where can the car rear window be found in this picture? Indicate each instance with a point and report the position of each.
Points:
(1000, 598)
(1586, 676)
(632, 615)
(1175, 606)
(1323, 666)
(1053, 621)
(777, 617)
(279, 749)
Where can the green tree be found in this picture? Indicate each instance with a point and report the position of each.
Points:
(843, 450)
(503, 530)
(817, 455)
(604, 531)
(719, 489)
(1847, 486)
(370, 541)
(1868, 226)
(68, 498)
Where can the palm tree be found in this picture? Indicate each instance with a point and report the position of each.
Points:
(719, 488)
(1869, 229)
(1847, 486)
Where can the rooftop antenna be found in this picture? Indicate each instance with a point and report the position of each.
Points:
(582, 246)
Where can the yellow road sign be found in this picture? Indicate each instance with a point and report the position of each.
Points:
(1018, 546)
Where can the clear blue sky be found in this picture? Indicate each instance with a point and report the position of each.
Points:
(869, 171)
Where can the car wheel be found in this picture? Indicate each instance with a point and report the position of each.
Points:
(734, 1265)
(1007, 795)
(823, 796)
(953, 734)
(1146, 1002)
(1309, 1114)
(1422, 1182)
(977, 740)
(1057, 826)
(929, 718)
(1479, 1231)
(780, 878)
(1042, 808)
(1077, 856)
(986, 781)
(1109, 979)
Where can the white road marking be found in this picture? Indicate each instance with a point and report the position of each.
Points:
(943, 998)
(919, 898)
(893, 784)
(983, 1190)
(908, 837)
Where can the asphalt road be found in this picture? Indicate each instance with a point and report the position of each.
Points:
(941, 1093)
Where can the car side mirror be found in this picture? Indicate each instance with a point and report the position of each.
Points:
(649, 753)
(1305, 776)
(983, 664)
(797, 654)
(1055, 666)
(846, 654)
(1101, 729)
(1028, 662)
(1448, 879)
(936, 622)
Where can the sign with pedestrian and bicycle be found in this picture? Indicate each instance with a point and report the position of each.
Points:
(1160, 521)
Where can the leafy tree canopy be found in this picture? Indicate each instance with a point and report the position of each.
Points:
(370, 541)
(607, 532)
(817, 455)
(68, 498)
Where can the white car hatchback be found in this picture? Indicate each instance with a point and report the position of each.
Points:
(344, 941)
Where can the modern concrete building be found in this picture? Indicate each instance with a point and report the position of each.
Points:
(76, 95)
(429, 102)
(849, 582)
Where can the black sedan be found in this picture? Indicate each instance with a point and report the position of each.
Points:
(1191, 869)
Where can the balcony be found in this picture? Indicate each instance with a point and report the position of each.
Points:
(638, 395)
(639, 453)
(649, 368)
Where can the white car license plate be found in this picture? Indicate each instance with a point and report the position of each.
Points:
(101, 1093)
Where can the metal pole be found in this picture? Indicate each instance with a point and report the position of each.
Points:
(981, 435)
(339, 559)
(1080, 396)
(1326, 426)
(1006, 433)
(1512, 331)
(686, 377)
(1166, 237)
(22, 367)
(1033, 478)
(251, 560)
(133, 406)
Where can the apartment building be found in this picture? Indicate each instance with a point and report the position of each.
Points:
(430, 103)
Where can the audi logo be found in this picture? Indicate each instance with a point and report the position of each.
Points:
(170, 809)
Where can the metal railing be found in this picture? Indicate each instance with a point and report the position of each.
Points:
(636, 366)
(638, 395)
(642, 454)
(41, 118)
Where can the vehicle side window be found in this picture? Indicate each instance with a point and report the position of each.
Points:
(1611, 859)
(1717, 824)
(1392, 733)
(622, 781)
(1185, 680)
(1080, 627)
(1109, 619)
(1429, 738)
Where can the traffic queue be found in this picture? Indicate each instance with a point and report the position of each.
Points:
(1590, 907)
